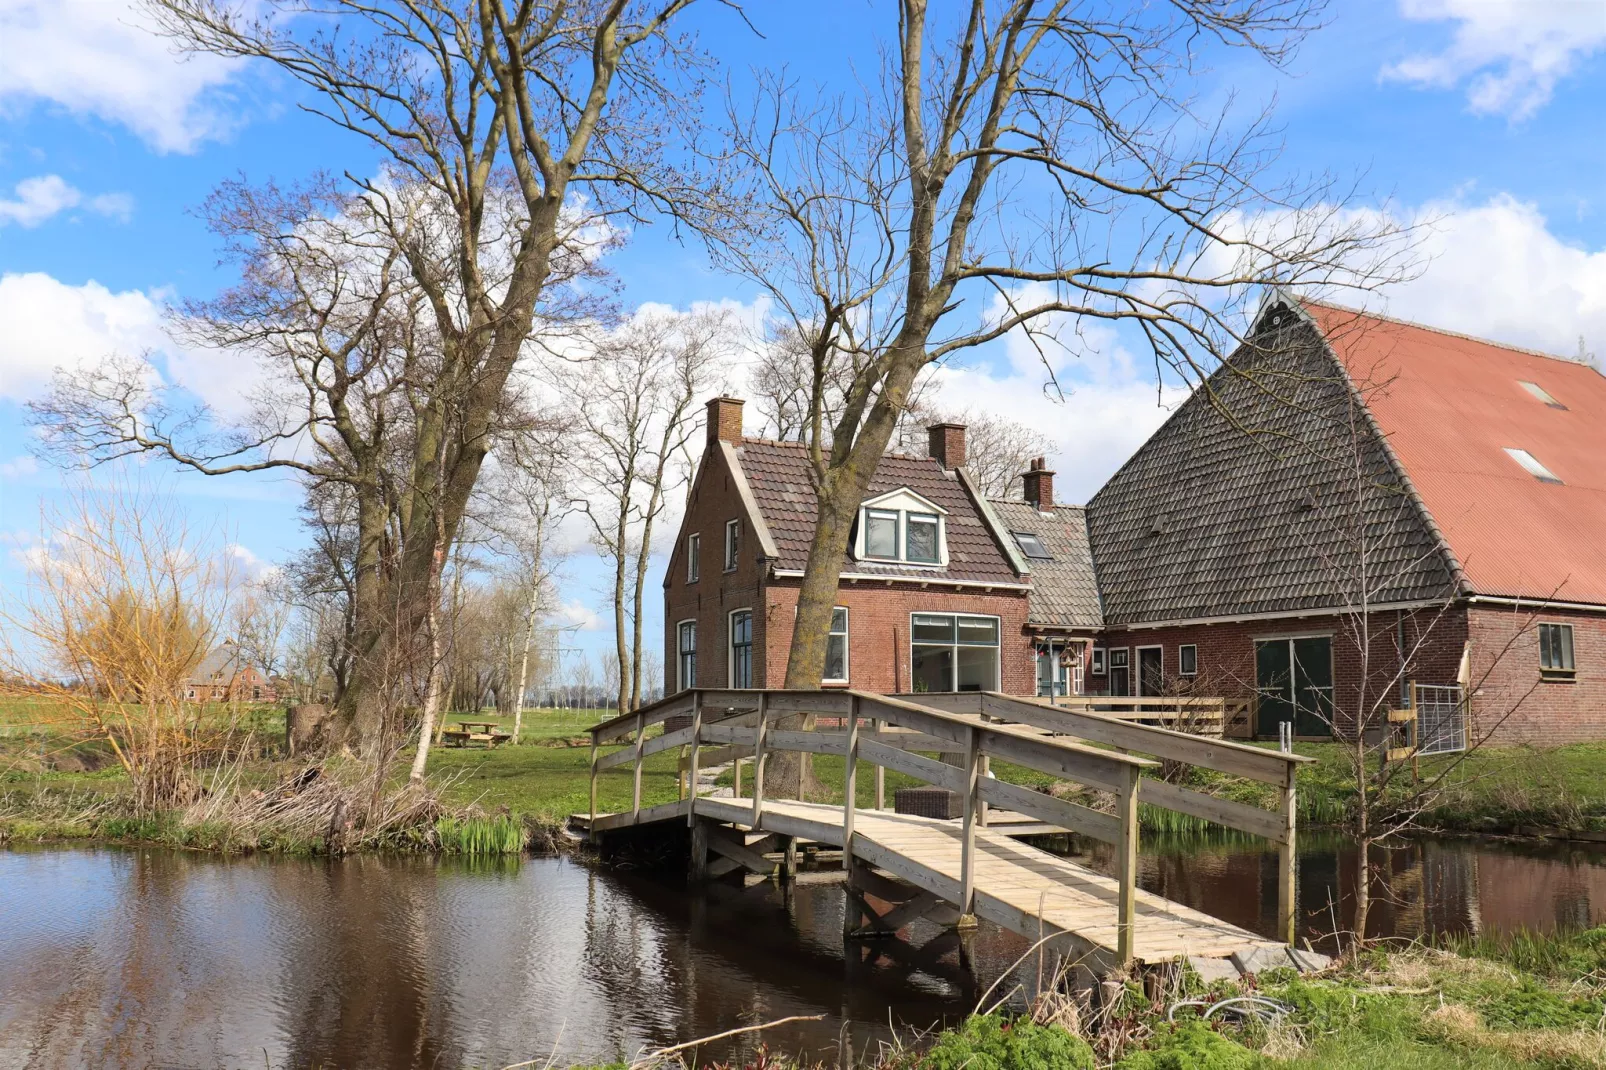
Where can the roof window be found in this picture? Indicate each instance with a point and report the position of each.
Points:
(1031, 546)
(1542, 394)
(1531, 465)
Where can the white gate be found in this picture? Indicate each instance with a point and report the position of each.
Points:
(1441, 719)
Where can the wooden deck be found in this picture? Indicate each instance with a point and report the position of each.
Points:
(1018, 886)
(964, 868)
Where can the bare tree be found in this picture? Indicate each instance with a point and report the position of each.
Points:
(997, 449)
(1022, 165)
(510, 136)
(635, 401)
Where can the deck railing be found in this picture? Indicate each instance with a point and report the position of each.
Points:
(891, 732)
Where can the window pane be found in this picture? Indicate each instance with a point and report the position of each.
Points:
(1187, 660)
(933, 668)
(978, 668)
(979, 630)
(1031, 546)
(933, 628)
(1564, 635)
(922, 538)
(836, 657)
(881, 534)
(1545, 657)
(839, 621)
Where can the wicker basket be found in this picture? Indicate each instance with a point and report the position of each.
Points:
(928, 802)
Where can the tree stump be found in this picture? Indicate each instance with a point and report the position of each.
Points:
(304, 727)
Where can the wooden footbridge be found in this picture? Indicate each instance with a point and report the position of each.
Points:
(977, 865)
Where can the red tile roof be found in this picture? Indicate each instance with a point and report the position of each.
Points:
(783, 489)
(1450, 407)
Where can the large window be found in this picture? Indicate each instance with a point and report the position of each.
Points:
(953, 652)
(880, 533)
(836, 647)
(694, 555)
(733, 543)
(741, 648)
(1556, 651)
(686, 653)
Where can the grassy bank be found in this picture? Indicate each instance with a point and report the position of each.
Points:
(1532, 1001)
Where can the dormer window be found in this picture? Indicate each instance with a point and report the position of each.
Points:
(902, 527)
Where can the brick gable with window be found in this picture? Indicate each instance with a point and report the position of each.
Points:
(929, 598)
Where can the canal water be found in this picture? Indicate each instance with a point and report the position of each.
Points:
(155, 958)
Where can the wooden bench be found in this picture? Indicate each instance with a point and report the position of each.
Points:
(465, 732)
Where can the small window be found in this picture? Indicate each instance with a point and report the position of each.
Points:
(1187, 659)
(1531, 465)
(742, 648)
(694, 555)
(921, 538)
(1031, 546)
(1556, 651)
(880, 533)
(1541, 393)
(686, 653)
(836, 647)
(733, 543)
(1097, 666)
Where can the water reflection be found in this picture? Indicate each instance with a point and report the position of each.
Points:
(141, 958)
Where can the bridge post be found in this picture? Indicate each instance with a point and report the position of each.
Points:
(699, 850)
(635, 787)
(593, 783)
(758, 759)
(691, 778)
(967, 855)
(850, 781)
(880, 773)
(1286, 886)
(1127, 869)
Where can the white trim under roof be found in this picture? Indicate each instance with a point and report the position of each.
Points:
(766, 542)
(926, 578)
(1537, 603)
(1335, 611)
(995, 526)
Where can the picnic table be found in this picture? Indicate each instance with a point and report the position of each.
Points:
(463, 733)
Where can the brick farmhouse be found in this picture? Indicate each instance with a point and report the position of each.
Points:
(1349, 505)
(227, 675)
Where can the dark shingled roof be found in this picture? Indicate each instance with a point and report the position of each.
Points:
(778, 473)
(1065, 592)
(1251, 503)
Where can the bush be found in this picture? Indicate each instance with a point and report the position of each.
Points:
(1190, 1045)
(990, 1043)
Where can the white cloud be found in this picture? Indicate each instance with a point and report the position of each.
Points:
(50, 324)
(575, 613)
(1497, 271)
(37, 199)
(18, 467)
(100, 58)
(1509, 53)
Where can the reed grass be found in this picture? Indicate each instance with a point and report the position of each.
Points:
(480, 835)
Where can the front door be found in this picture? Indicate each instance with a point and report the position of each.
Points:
(1151, 670)
(1120, 671)
(1050, 670)
(1294, 678)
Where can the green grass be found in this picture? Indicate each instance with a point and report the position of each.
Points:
(480, 835)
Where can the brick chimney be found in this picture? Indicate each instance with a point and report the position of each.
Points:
(724, 420)
(947, 444)
(1040, 485)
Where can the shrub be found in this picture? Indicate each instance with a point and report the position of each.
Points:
(1190, 1045)
(990, 1043)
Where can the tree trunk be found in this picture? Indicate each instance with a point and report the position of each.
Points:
(524, 661)
(432, 699)
(1363, 892)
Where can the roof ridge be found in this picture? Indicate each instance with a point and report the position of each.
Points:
(1335, 306)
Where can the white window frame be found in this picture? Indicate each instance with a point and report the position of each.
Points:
(680, 654)
(730, 646)
(1181, 669)
(998, 665)
(902, 502)
(733, 544)
(1098, 663)
(847, 646)
(1109, 669)
(1137, 669)
(694, 554)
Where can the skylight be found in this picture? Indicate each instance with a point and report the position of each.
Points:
(1531, 465)
(1031, 546)
(1541, 393)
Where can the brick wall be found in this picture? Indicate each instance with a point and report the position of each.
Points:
(878, 631)
(1511, 703)
(716, 593)
(1226, 652)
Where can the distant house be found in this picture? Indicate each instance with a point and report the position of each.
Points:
(1343, 467)
(1340, 468)
(225, 675)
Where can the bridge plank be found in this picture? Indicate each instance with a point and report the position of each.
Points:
(1236, 815)
(1044, 807)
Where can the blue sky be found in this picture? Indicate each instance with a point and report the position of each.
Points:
(1480, 114)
